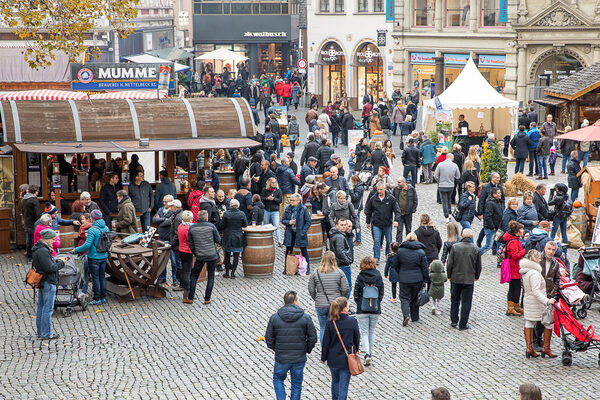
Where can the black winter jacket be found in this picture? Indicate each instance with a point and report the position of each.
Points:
(31, 211)
(558, 201)
(466, 205)
(483, 196)
(430, 237)
(382, 213)
(257, 213)
(378, 159)
(464, 262)
(541, 205)
(44, 264)
(412, 200)
(367, 277)
(332, 350)
(521, 143)
(211, 207)
(232, 223)
(339, 245)
(175, 222)
(410, 156)
(573, 169)
(492, 217)
(508, 215)
(356, 196)
(291, 334)
(323, 155)
(271, 205)
(412, 265)
(310, 150)
(202, 239)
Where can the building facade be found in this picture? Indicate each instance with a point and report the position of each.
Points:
(349, 49)
(520, 46)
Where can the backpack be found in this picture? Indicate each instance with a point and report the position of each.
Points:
(565, 210)
(105, 242)
(370, 298)
(269, 141)
(502, 252)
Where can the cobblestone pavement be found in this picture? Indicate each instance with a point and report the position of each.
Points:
(162, 349)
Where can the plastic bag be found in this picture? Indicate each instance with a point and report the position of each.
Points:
(302, 265)
(548, 315)
(423, 296)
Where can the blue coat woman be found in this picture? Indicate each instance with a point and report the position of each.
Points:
(302, 217)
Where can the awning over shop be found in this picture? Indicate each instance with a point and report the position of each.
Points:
(148, 59)
(171, 54)
(550, 101)
(134, 146)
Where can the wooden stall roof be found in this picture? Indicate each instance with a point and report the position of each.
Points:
(103, 121)
(593, 171)
(550, 101)
(576, 85)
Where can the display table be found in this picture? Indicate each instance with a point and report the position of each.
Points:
(258, 257)
(467, 141)
(135, 270)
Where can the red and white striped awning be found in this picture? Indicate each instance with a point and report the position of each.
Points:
(131, 95)
(43, 94)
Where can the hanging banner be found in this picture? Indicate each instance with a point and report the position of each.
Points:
(389, 10)
(502, 11)
(119, 76)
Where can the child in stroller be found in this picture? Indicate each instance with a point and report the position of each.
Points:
(587, 274)
(70, 279)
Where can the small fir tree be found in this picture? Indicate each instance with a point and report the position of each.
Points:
(492, 161)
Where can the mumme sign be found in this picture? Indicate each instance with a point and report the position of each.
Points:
(119, 76)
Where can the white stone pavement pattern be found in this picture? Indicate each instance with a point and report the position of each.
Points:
(163, 349)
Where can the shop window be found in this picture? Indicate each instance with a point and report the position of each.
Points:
(212, 8)
(324, 6)
(363, 5)
(227, 8)
(379, 6)
(458, 12)
(339, 6)
(333, 72)
(241, 8)
(369, 70)
(490, 13)
(270, 8)
(424, 12)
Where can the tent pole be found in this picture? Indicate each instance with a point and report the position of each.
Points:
(493, 128)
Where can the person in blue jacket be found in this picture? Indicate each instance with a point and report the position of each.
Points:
(96, 260)
(466, 205)
(428, 152)
(534, 137)
(296, 220)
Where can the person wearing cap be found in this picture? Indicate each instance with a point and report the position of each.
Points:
(44, 263)
(293, 165)
(56, 219)
(334, 161)
(176, 213)
(96, 259)
(165, 187)
(126, 221)
(310, 168)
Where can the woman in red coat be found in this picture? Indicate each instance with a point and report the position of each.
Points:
(514, 252)
(279, 90)
(286, 93)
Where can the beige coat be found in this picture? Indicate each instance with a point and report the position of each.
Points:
(534, 286)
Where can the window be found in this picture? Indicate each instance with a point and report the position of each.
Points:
(363, 5)
(458, 12)
(424, 12)
(490, 13)
(379, 6)
(324, 6)
(241, 8)
(339, 6)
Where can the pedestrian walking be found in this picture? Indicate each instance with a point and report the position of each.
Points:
(382, 213)
(391, 271)
(437, 277)
(296, 220)
(203, 238)
(44, 264)
(573, 179)
(411, 161)
(514, 252)
(562, 209)
(407, 199)
(368, 295)
(271, 198)
(327, 283)
(342, 209)
(342, 337)
(357, 190)
(483, 196)
(542, 154)
(534, 138)
(413, 272)
(234, 240)
(428, 153)
(566, 148)
(521, 144)
(467, 205)
(341, 248)
(291, 335)
(446, 173)
(185, 253)
(430, 237)
(464, 269)
(453, 230)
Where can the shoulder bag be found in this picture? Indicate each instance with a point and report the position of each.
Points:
(354, 364)
(323, 287)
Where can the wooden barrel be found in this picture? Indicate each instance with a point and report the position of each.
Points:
(258, 257)
(315, 240)
(226, 181)
(67, 238)
(579, 221)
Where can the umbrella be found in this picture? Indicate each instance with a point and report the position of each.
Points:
(222, 54)
(588, 134)
(148, 59)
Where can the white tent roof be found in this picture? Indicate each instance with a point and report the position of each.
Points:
(222, 54)
(471, 90)
(148, 59)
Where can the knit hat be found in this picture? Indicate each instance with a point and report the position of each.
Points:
(96, 214)
(310, 179)
(48, 234)
(50, 208)
(246, 151)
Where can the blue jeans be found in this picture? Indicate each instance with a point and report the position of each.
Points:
(574, 194)
(344, 136)
(348, 272)
(280, 374)
(358, 234)
(519, 165)
(465, 224)
(367, 324)
(323, 316)
(86, 273)
(378, 234)
(412, 171)
(175, 263)
(583, 155)
(334, 138)
(543, 166)
(562, 223)
(340, 380)
(533, 162)
(272, 217)
(145, 220)
(98, 270)
(565, 161)
(489, 238)
(43, 317)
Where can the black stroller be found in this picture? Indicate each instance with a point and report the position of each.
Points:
(70, 279)
(591, 268)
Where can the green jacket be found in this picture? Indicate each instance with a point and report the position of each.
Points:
(126, 219)
(438, 278)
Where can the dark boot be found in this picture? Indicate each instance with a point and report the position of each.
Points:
(530, 352)
(233, 272)
(226, 274)
(547, 339)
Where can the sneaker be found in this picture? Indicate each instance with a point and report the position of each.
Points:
(394, 300)
(95, 302)
(367, 359)
(454, 324)
(54, 336)
(405, 322)
(103, 301)
(438, 312)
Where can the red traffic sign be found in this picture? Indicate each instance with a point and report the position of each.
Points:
(302, 63)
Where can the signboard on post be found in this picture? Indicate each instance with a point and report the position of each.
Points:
(302, 63)
(121, 76)
(354, 136)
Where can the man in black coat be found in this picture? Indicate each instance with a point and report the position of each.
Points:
(324, 154)
(573, 180)
(523, 118)
(207, 202)
(340, 247)
(521, 144)
(291, 334)
(411, 161)
(310, 149)
(108, 197)
(407, 199)
(310, 168)
(31, 213)
(463, 269)
(540, 203)
(347, 125)
(492, 218)
(483, 196)
(459, 160)
(383, 213)
(203, 238)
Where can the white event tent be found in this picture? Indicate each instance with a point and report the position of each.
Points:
(471, 94)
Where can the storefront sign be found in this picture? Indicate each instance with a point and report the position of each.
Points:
(422, 58)
(457, 59)
(117, 76)
(381, 38)
(491, 61)
(367, 56)
(265, 34)
(331, 54)
(503, 11)
(389, 11)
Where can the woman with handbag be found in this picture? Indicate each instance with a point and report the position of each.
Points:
(234, 239)
(536, 305)
(326, 284)
(514, 252)
(340, 348)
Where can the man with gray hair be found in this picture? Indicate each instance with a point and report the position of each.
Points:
(446, 174)
(463, 269)
(90, 205)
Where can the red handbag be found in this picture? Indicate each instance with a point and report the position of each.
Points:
(354, 364)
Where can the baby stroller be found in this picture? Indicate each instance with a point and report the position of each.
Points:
(70, 278)
(570, 292)
(591, 268)
(574, 336)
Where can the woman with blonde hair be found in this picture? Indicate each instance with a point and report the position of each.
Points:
(453, 230)
(271, 197)
(341, 332)
(328, 282)
(375, 124)
(470, 173)
(474, 157)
